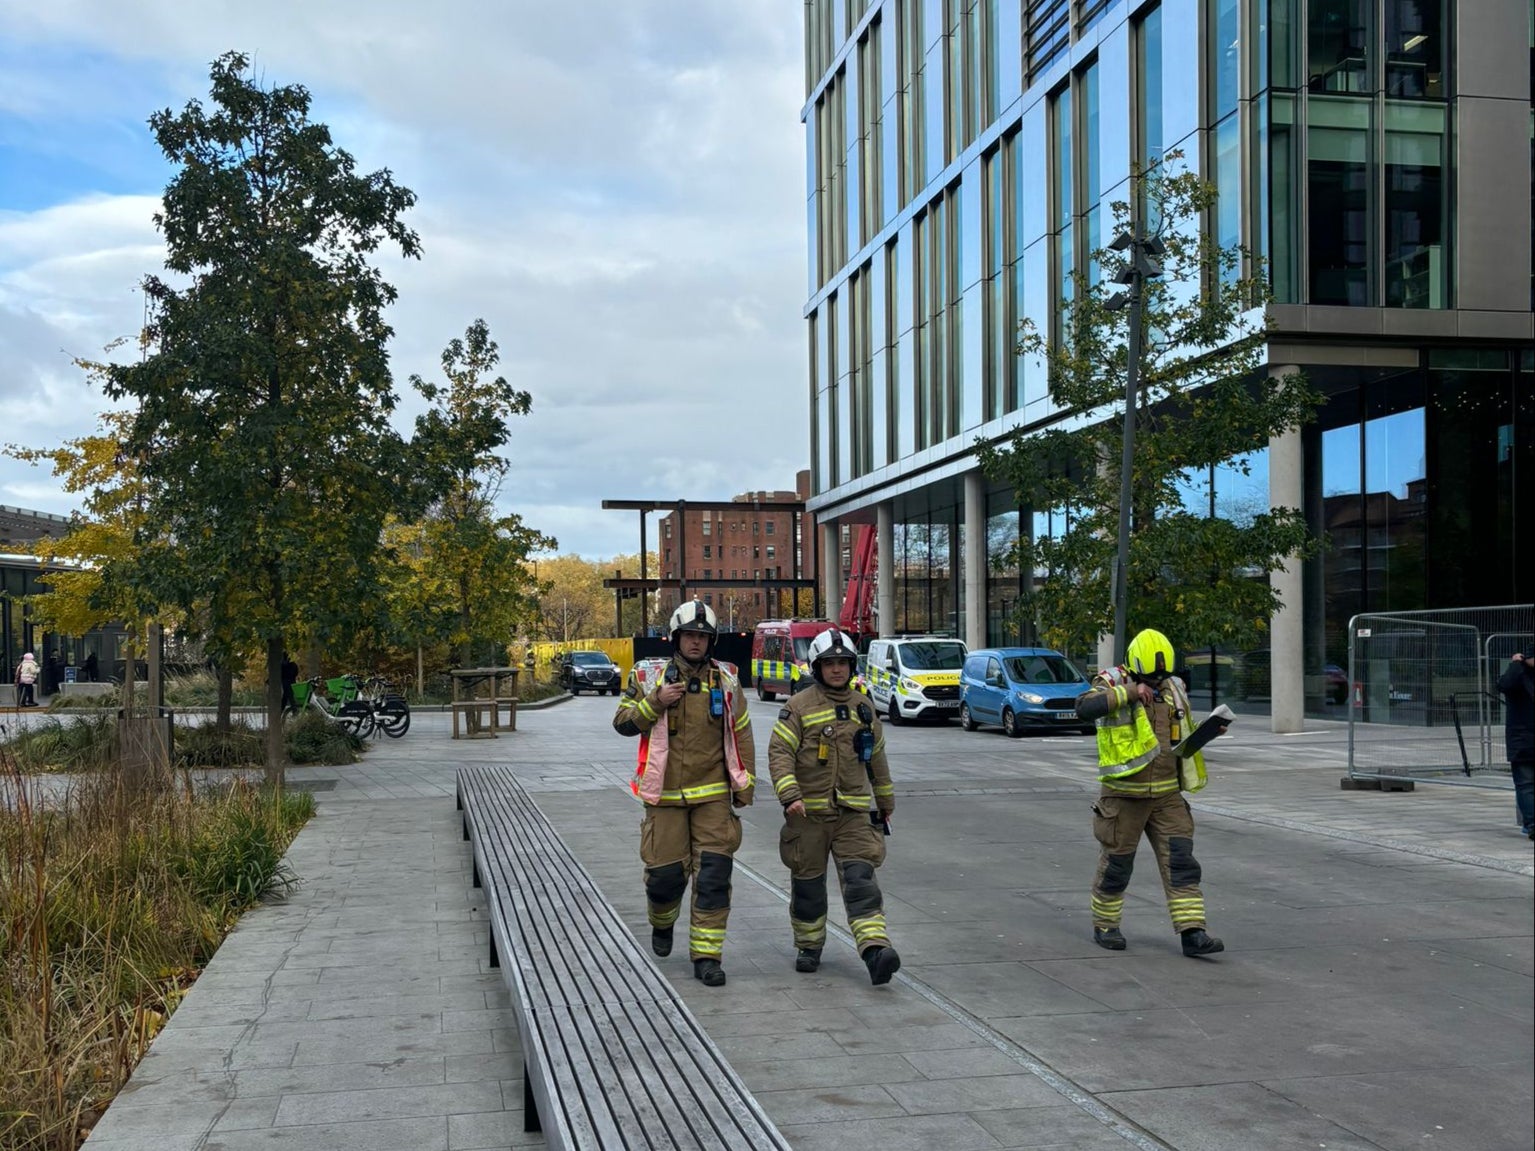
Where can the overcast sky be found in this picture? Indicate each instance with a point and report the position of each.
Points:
(616, 186)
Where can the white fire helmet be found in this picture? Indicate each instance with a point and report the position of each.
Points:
(694, 616)
(833, 643)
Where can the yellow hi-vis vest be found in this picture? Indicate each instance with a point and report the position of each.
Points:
(1127, 742)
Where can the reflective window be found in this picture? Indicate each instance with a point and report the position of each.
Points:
(1282, 244)
(1046, 33)
(1063, 157)
(1092, 168)
(1414, 48)
(1338, 183)
(1002, 586)
(1415, 206)
(1228, 182)
(1149, 142)
(1337, 38)
(1225, 57)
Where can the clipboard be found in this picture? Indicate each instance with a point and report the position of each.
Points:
(1213, 725)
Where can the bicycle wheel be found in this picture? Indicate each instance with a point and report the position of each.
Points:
(356, 718)
(393, 716)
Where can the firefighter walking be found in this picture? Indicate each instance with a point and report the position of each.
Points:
(696, 763)
(827, 757)
(1142, 711)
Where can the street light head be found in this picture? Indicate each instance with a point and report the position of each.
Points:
(1117, 301)
(1151, 269)
(1153, 246)
(1121, 242)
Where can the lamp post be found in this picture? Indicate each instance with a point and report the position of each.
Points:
(1140, 265)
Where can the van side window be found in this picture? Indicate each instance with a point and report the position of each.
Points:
(993, 669)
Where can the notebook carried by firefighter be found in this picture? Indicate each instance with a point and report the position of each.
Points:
(1213, 725)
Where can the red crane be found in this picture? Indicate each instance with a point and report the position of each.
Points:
(858, 604)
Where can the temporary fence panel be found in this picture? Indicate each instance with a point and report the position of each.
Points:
(1435, 673)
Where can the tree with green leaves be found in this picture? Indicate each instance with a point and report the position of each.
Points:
(1205, 400)
(473, 550)
(262, 422)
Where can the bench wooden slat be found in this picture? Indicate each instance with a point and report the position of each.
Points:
(615, 1058)
(549, 910)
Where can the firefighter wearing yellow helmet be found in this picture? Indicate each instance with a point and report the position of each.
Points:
(696, 763)
(1142, 712)
(827, 756)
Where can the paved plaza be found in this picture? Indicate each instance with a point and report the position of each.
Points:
(1376, 990)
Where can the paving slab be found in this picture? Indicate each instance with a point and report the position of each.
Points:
(1376, 991)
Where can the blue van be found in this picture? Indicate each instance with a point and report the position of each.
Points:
(1019, 688)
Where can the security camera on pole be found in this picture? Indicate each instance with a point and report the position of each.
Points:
(1140, 265)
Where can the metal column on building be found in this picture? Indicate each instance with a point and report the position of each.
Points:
(975, 561)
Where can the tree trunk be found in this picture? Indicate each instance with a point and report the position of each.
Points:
(276, 753)
(463, 621)
(226, 697)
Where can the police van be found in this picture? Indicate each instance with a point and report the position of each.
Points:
(915, 677)
(781, 655)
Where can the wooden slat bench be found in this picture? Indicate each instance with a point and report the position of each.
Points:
(612, 1057)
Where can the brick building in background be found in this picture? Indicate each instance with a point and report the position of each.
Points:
(756, 546)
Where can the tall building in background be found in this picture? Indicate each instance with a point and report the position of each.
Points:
(750, 542)
(962, 159)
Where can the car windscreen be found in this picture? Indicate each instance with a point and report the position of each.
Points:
(941, 655)
(590, 658)
(1043, 669)
(802, 647)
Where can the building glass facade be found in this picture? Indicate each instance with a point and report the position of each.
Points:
(1377, 154)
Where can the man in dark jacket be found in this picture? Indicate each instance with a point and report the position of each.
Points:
(1517, 684)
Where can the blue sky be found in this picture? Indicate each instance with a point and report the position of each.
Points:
(616, 186)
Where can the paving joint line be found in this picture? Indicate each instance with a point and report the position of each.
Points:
(1447, 854)
(1126, 1128)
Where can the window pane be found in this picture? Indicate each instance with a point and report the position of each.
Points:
(1148, 96)
(1336, 37)
(1338, 190)
(1415, 207)
(1225, 58)
(1414, 35)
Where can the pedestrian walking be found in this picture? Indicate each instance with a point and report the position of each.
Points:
(28, 672)
(288, 670)
(827, 757)
(1517, 683)
(696, 766)
(1142, 711)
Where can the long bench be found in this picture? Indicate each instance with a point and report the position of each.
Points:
(612, 1057)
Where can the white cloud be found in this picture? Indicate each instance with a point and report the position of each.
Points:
(616, 187)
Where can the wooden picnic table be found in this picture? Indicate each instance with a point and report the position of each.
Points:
(481, 714)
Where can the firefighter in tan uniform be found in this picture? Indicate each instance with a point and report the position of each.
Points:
(696, 761)
(1142, 711)
(827, 756)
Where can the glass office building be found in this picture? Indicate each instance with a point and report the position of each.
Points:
(962, 157)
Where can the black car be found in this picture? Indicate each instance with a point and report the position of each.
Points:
(589, 671)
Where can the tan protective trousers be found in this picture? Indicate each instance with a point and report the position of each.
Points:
(858, 847)
(696, 842)
(1165, 820)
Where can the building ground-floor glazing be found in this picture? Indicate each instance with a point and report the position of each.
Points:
(1418, 473)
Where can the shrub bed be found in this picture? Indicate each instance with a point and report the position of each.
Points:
(109, 909)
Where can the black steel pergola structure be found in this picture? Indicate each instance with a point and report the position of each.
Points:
(770, 587)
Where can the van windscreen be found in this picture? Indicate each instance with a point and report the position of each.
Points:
(933, 655)
(802, 647)
(1043, 669)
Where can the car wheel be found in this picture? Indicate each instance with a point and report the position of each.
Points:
(1010, 723)
(966, 720)
(766, 696)
(895, 713)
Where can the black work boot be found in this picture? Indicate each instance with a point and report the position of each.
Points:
(882, 963)
(808, 959)
(709, 972)
(1197, 941)
(1109, 937)
(661, 941)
